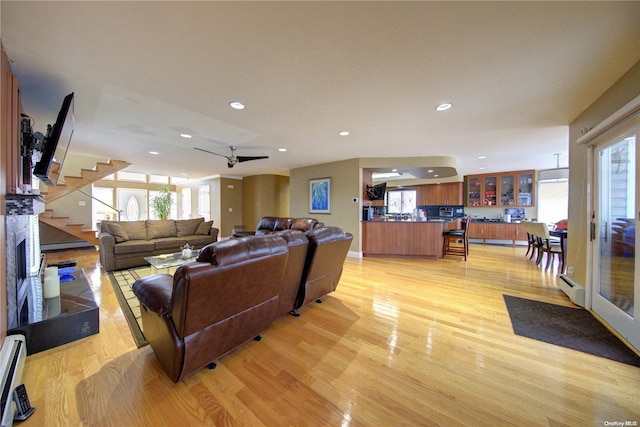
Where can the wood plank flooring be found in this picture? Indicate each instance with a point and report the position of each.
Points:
(401, 342)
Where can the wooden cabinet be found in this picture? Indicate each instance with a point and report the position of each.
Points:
(476, 230)
(514, 189)
(497, 231)
(449, 193)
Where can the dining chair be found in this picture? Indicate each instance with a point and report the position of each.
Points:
(547, 245)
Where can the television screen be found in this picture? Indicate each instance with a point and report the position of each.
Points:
(58, 135)
(376, 192)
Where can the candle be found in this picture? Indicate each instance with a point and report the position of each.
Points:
(51, 286)
(50, 271)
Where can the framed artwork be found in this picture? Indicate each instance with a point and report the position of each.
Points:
(320, 195)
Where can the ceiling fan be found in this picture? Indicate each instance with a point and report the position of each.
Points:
(233, 159)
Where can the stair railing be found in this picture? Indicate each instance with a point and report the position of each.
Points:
(119, 211)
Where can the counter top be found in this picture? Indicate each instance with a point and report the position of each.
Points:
(448, 220)
(495, 221)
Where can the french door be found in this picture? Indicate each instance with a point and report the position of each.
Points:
(615, 290)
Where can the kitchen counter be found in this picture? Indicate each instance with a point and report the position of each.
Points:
(404, 238)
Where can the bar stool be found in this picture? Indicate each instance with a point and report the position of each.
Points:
(457, 235)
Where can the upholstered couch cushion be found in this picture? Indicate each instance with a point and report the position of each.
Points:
(137, 230)
(158, 228)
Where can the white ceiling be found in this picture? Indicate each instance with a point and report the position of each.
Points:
(517, 74)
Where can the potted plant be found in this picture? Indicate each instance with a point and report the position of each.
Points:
(161, 203)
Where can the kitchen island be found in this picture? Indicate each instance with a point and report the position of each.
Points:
(404, 238)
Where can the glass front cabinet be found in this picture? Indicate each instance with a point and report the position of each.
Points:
(504, 189)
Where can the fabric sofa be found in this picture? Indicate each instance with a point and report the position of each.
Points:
(125, 244)
(212, 306)
(234, 292)
(273, 224)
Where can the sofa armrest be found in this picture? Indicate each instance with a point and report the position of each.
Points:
(107, 256)
(155, 292)
(214, 233)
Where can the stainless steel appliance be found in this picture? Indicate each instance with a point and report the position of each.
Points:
(445, 212)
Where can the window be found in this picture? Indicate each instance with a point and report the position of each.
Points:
(132, 176)
(159, 179)
(186, 203)
(204, 202)
(401, 201)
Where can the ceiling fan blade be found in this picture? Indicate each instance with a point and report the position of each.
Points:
(211, 152)
(247, 158)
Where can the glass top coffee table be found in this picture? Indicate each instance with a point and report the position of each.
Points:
(160, 262)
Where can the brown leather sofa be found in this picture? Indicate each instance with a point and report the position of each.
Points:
(234, 291)
(212, 306)
(273, 224)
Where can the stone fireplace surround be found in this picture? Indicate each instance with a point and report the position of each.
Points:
(22, 221)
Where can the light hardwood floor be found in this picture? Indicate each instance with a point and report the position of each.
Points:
(401, 342)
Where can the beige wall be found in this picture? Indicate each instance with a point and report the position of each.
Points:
(346, 183)
(264, 195)
(623, 91)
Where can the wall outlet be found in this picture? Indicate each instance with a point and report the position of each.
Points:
(82, 203)
(570, 270)
(230, 209)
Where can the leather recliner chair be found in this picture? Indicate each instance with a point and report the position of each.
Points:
(210, 307)
(328, 248)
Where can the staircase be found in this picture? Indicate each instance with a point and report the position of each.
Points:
(68, 185)
(62, 223)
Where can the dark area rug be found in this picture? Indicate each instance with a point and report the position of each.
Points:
(568, 327)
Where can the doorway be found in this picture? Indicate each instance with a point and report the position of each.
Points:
(615, 288)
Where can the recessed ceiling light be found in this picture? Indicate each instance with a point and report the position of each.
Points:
(482, 157)
(436, 175)
(394, 170)
(429, 170)
(481, 167)
(344, 133)
(282, 149)
(236, 105)
(155, 153)
(185, 135)
(444, 107)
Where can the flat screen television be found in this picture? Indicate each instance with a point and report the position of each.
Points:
(376, 192)
(58, 136)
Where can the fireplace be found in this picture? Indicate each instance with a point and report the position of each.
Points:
(23, 258)
(21, 277)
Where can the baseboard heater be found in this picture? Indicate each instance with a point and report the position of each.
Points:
(574, 291)
(12, 356)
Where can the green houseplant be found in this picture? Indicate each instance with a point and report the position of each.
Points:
(161, 203)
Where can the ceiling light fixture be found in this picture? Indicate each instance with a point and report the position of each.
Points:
(236, 105)
(186, 135)
(344, 133)
(482, 157)
(155, 153)
(429, 170)
(282, 150)
(444, 107)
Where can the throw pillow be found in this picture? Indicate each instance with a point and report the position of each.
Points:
(204, 227)
(118, 232)
(188, 227)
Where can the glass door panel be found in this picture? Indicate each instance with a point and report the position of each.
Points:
(506, 190)
(616, 289)
(474, 192)
(490, 191)
(525, 189)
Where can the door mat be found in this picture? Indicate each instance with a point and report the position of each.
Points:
(568, 327)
